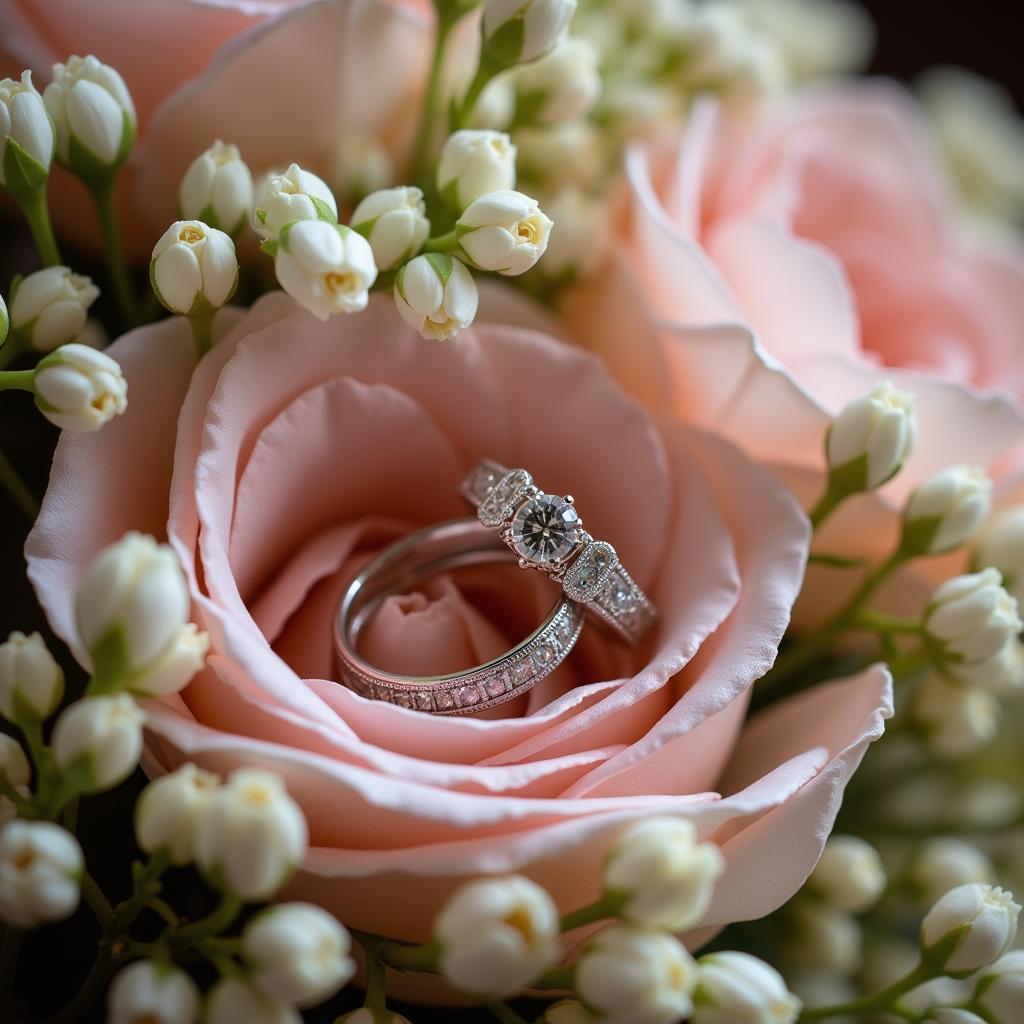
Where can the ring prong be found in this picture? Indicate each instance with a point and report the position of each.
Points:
(569, 500)
(523, 563)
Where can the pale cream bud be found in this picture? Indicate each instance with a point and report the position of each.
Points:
(1002, 674)
(951, 1015)
(825, 937)
(497, 935)
(436, 295)
(253, 836)
(217, 188)
(98, 741)
(661, 875)
(984, 802)
(170, 809)
(972, 617)
(147, 992)
(176, 667)
(298, 953)
(14, 766)
(943, 864)
(364, 1015)
(193, 268)
(946, 511)
(956, 720)
(5, 320)
(235, 1001)
(639, 111)
(568, 1011)
(473, 162)
(24, 123)
(849, 876)
(645, 977)
(40, 869)
(497, 104)
(295, 194)
(736, 987)
(50, 306)
(360, 166)
(870, 439)
(395, 224)
(1000, 990)
(570, 153)
(31, 682)
(582, 241)
(517, 31)
(562, 85)
(1002, 546)
(327, 268)
(504, 231)
(969, 928)
(79, 389)
(92, 113)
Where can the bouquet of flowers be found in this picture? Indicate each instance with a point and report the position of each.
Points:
(338, 707)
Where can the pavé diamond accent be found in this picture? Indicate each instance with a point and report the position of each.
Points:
(503, 498)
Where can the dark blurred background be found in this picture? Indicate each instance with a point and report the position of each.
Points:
(913, 35)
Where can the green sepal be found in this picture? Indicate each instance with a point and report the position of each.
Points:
(111, 668)
(152, 284)
(22, 334)
(13, 290)
(935, 957)
(323, 211)
(849, 478)
(450, 195)
(918, 535)
(442, 265)
(97, 175)
(505, 45)
(24, 176)
(365, 227)
(80, 773)
(270, 246)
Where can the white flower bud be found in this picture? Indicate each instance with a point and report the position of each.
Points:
(503, 231)
(361, 165)
(25, 124)
(645, 977)
(298, 953)
(5, 320)
(581, 243)
(568, 1011)
(364, 1015)
(1002, 674)
(98, 741)
(736, 988)
(154, 993)
(174, 669)
(253, 836)
(1002, 547)
(870, 439)
(969, 928)
(132, 605)
(217, 188)
(436, 295)
(562, 85)
(983, 802)
(943, 864)
(497, 104)
(395, 224)
(326, 268)
(14, 766)
(193, 267)
(1000, 990)
(31, 682)
(972, 617)
(40, 868)
(946, 511)
(662, 875)
(79, 389)
(849, 876)
(169, 810)
(473, 162)
(569, 153)
(93, 335)
(92, 113)
(825, 937)
(639, 111)
(951, 1015)
(517, 31)
(294, 195)
(956, 721)
(234, 1001)
(49, 307)
(497, 935)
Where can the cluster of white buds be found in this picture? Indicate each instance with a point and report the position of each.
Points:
(946, 511)
(79, 389)
(564, 84)
(850, 875)
(217, 189)
(40, 869)
(945, 863)
(193, 268)
(968, 929)
(954, 720)
(49, 308)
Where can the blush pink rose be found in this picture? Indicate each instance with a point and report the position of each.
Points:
(297, 448)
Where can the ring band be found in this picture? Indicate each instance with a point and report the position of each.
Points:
(546, 533)
(440, 548)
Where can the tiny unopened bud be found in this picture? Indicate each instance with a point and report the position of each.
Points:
(627, 973)
(217, 188)
(559, 155)
(79, 389)
(50, 306)
(154, 993)
(436, 294)
(473, 162)
(1002, 674)
(737, 987)
(1002, 546)
(234, 1000)
(944, 512)
(943, 864)
(969, 928)
(26, 133)
(394, 222)
(582, 240)
(193, 268)
(169, 811)
(517, 31)
(956, 720)
(361, 165)
(93, 115)
(497, 935)
(40, 869)
(295, 194)
(850, 875)
(999, 992)
(14, 766)
(98, 741)
(31, 682)
(503, 231)
(870, 439)
(562, 85)
(824, 937)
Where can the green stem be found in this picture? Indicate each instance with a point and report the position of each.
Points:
(432, 97)
(561, 978)
(376, 976)
(38, 216)
(17, 380)
(484, 73)
(23, 807)
(910, 664)
(877, 1003)
(602, 908)
(19, 491)
(98, 903)
(890, 625)
(9, 950)
(409, 958)
(10, 350)
(117, 265)
(504, 1013)
(201, 326)
(442, 243)
(828, 503)
(208, 927)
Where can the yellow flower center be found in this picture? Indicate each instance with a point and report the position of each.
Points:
(190, 234)
(345, 282)
(521, 921)
(527, 231)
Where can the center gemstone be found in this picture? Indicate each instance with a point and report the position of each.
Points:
(545, 529)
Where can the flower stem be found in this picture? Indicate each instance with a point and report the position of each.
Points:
(117, 266)
(98, 903)
(484, 73)
(601, 909)
(376, 975)
(210, 926)
(17, 380)
(10, 480)
(201, 326)
(432, 97)
(826, 506)
(505, 1013)
(38, 216)
(442, 243)
(877, 1003)
(409, 958)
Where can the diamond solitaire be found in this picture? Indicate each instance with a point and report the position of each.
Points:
(545, 529)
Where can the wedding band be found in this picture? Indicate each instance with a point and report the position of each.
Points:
(399, 568)
(546, 533)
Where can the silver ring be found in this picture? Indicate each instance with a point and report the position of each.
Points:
(546, 533)
(440, 548)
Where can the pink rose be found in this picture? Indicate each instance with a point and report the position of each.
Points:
(297, 448)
